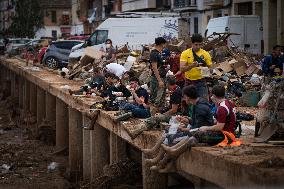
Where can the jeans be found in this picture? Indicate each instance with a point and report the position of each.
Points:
(136, 110)
(158, 94)
(201, 87)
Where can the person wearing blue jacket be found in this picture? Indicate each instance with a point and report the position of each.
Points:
(271, 62)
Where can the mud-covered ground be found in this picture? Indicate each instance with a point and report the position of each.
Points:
(24, 160)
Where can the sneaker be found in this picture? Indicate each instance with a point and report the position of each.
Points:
(124, 116)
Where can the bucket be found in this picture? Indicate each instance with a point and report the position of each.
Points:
(250, 98)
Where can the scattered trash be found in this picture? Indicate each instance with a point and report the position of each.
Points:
(5, 168)
(52, 166)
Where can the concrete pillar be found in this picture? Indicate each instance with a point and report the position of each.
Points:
(117, 148)
(62, 127)
(86, 150)
(13, 84)
(75, 144)
(21, 92)
(269, 25)
(99, 150)
(40, 105)
(17, 87)
(27, 95)
(33, 99)
(280, 22)
(152, 179)
(50, 105)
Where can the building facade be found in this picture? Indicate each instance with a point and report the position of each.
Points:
(57, 19)
(272, 17)
(199, 12)
(7, 11)
(88, 14)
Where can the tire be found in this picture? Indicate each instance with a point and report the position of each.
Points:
(51, 62)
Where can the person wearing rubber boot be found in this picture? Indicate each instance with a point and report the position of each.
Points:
(202, 115)
(158, 77)
(174, 107)
(138, 109)
(190, 62)
(211, 135)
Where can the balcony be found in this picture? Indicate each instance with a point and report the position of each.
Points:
(214, 3)
(185, 5)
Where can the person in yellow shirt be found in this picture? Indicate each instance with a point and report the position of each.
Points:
(190, 62)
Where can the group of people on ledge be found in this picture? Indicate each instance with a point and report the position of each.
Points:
(180, 103)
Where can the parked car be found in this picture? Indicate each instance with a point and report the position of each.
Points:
(15, 43)
(57, 53)
(35, 43)
(79, 37)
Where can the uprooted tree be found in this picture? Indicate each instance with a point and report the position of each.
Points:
(28, 18)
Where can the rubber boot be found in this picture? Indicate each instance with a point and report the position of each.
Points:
(170, 167)
(133, 133)
(156, 159)
(155, 148)
(91, 124)
(176, 150)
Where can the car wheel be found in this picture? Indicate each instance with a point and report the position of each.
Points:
(51, 62)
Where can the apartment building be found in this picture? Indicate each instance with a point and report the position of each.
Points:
(7, 11)
(57, 18)
(272, 16)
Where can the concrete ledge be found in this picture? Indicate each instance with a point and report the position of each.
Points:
(227, 167)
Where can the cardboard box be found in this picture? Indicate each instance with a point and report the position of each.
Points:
(90, 55)
(225, 66)
(241, 70)
(250, 70)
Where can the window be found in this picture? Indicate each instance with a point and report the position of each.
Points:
(53, 16)
(195, 22)
(54, 33)
(244, 8)
(99, 37)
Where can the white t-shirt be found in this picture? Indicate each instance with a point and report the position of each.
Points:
(116, 69)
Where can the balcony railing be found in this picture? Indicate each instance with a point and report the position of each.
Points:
(184, 3)
(214, 3)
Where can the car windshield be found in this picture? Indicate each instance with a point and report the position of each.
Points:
(20, 41)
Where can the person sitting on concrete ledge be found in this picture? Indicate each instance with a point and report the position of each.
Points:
(201, 115)
(97, 81)
(221, 134)
(113, 88)
(154, 121)
(138, 109)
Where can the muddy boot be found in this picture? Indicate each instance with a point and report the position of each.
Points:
(90, 125)
(156, 159)
(177, 149)
(169, 168)
(123, 116)
(153, 110)
(155, 148)
(133, 133)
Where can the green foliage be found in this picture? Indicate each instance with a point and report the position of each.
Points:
(28, 18)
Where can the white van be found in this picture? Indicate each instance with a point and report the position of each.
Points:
(132, 31)
(249, 28)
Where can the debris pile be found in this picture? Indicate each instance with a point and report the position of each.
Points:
(271, 113)
(126, 173)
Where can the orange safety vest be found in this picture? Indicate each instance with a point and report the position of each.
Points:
(229, 140)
